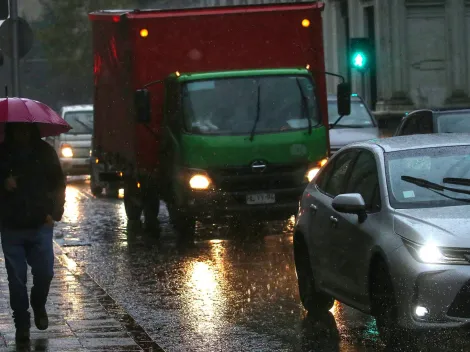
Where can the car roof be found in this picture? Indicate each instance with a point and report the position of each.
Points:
(85, 107)
(417, 141)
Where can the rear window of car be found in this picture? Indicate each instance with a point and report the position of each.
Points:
(360, 116)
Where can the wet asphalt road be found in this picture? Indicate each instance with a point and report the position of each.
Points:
(226, 291)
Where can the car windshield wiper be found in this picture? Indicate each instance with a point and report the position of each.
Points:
(85, 125)
(421, 182)
(258, 113)
(457, 181)
(304, 105)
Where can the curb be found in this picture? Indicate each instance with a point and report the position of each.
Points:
(114, 310)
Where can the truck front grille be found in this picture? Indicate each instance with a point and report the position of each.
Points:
(276, 176)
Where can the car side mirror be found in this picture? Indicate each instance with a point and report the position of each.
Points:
(351, 203)
(142, 106)
(343, 97)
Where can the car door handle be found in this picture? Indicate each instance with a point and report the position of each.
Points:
(313, 208)
(334, 221)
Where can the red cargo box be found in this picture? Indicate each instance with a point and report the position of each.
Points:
(134, 48)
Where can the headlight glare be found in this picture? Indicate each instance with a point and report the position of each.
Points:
(311, 173)
(67, 152)
(199, 182)
(430, 253)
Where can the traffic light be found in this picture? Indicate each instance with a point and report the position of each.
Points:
(360, 53)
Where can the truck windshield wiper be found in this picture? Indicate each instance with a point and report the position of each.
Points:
(304, 105)
(421, 182)
(258, 113)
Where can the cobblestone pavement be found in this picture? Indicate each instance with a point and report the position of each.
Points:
(82, 317)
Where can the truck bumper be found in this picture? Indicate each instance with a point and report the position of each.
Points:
(75, 166)
(214, 205)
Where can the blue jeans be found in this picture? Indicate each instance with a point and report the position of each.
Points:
(33, 247)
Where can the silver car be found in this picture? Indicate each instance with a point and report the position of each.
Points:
(358, 126)
(384, 227)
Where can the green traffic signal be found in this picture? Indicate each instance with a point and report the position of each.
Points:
(360, 52)
(359, 60)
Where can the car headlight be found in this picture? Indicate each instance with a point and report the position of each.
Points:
(67, 152)
(313, 170)
(430, 253)
(199, 182)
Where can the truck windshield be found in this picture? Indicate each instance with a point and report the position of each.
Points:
(80, 121)
(230, 106)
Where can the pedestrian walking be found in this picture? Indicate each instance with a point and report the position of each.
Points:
(32, 197)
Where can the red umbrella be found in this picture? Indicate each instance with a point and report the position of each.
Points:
(31, 111)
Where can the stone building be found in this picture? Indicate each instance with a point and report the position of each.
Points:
(422, 57)
(421, 52)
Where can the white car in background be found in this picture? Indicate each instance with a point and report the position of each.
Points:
(74, 147)
(358, 126)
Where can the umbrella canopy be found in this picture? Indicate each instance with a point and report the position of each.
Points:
(31, 111)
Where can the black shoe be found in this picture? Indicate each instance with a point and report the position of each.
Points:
(22, 335)
(40, 318)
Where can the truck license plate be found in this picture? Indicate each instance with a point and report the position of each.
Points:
(263, 198)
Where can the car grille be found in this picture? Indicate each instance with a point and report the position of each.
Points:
(81, 152)
(275, 176)
(460, 307)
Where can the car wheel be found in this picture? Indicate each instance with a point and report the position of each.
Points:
(384, 307)
(312, 299)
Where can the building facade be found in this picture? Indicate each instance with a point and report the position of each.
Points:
(421, 52)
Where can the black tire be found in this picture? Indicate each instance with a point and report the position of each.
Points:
(384, 308)
(183, 223)
(132, 203)
(313, 300)
(96, 191)
(151, 211)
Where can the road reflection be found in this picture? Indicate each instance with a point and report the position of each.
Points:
(228, 288)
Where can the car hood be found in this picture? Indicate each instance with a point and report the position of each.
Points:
(339, 137)
(445, 226)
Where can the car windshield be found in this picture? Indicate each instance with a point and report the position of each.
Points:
(80, 121)
(232, 106)
(430, 164)
(453, 122)
(359, 117)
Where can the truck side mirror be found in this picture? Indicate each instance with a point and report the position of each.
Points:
(344, 99)
(142, 106)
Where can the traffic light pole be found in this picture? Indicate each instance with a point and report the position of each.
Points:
(363, 86)
(15, 57)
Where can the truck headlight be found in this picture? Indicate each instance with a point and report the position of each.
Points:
(429, 253)
(313, 170)
(199, 182)
(311, 173)
(67, 152)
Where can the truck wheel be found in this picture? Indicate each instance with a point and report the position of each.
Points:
(151, 211)
(96, 191)
(132, 203)
(184, 224)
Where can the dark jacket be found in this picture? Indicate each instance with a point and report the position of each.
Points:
(40, 186)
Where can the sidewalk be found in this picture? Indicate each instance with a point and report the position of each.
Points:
(82, 317)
